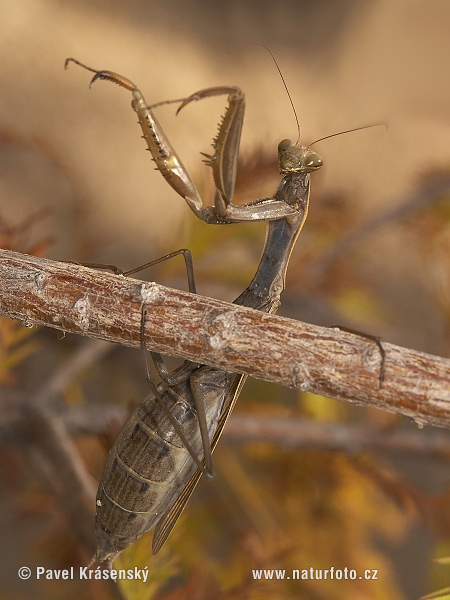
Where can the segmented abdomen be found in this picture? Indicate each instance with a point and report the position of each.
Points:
(148, 464)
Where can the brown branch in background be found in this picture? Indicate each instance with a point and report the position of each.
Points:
(55, 458)
(242, 428)
(425, 195)
(85, 356)
(288, 432)
(321, 360)
(42, 145)
(45, 437)
(49, 446)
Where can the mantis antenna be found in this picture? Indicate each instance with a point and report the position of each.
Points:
(286, 88)
(295, 112)
(348, 131)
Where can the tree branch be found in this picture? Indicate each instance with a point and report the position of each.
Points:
(244, 428)
(49, 447)
(427, 193)
(321, 360)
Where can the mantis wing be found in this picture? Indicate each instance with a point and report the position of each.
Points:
(171, 516)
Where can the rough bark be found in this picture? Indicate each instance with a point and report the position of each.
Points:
(325, 361)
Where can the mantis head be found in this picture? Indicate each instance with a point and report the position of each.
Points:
(297, 159)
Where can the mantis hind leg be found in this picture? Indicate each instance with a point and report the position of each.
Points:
(181, 374)
(187, 261)
(157, 359)
(162, 404)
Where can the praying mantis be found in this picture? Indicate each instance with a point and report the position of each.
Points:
(167, 443)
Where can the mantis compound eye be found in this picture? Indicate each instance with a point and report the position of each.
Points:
(284, 146)
(311, 161)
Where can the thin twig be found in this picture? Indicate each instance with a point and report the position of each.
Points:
(242, 428)
(238, 339)
(427, 194)
(288, 432)
(85, 356)
(51, 450)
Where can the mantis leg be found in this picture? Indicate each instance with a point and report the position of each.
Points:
(185, 372)
(223, 161)
(182, 374)
(157, 359)
(166, 410)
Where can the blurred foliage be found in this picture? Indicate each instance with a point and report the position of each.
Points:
(161, 569)
(15, 343)
(440, 577)
(15, 346)
(431, 230)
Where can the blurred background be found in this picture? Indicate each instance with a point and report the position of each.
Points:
(76, 184)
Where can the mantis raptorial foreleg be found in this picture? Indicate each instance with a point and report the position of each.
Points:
(223, 161)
